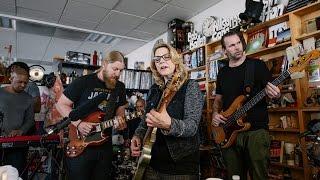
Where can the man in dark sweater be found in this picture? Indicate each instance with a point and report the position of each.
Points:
(17, 107)
(251, 149)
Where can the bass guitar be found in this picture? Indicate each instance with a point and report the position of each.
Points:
(150, 136)
(225, 134)
(77, 143)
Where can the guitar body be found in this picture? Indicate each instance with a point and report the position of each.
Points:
(143, 161)
(226, 136)
(77, 143)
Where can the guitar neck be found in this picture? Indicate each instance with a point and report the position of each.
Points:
(258, 97)
(110, 123)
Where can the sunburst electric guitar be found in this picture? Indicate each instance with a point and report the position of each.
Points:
(150, 136)
(78, 143)
(226, 133)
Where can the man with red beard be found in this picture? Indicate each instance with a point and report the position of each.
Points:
(95, 161)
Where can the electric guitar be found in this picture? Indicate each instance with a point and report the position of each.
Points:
(225, 134)
(150, 136)
(77, 143)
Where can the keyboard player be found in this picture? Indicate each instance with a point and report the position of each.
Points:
(18, 117)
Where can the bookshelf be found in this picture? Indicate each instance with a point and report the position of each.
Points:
(302, 114)
(136, 80)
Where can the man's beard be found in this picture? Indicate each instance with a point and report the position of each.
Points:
(109, 82)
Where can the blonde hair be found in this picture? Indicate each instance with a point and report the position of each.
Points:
(114, 56)
(176, 60)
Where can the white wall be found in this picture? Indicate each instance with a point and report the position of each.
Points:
(225, 8)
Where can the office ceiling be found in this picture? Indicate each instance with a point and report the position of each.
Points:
(129, 24)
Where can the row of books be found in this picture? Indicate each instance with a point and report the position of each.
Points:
(194, 59)
(136, 79)
(216, 62)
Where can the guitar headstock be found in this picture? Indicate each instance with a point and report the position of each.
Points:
(301, 63)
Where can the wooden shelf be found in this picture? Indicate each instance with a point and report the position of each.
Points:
(200, 79)
(269, 23)
(219, 59)
(281, 109)
(292, 130)
(192, 50)
(311, 109)
(197, 68)
(269, 50)
(285, 165)
(315, 34)
(214, 43)
(307, 9)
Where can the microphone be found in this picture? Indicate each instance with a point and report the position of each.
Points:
(79, 113)
(313, 127)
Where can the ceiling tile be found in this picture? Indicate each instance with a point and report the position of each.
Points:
(153, 27)
(70, 34)
(59, 47)
(109, 4)
(78, 23)
(39, 15)
(31, 46)
(7, 37)
(89, 47)
(141, 35)
(119, 23)
(36, 29)
(49, 6)
(169, 12)
(144, 8)
(8, 7)
(84, 12)
(195, 6)
(126, 46)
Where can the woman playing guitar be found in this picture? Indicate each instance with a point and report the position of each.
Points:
(175, 114)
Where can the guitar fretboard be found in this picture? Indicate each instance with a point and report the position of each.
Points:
(110, 123)
(253, 101)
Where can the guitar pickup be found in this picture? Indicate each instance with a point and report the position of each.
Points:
(97, 128)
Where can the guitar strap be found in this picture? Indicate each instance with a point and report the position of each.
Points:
(249, 77)
(111, 105)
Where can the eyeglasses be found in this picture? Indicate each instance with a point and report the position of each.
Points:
(165, 57)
